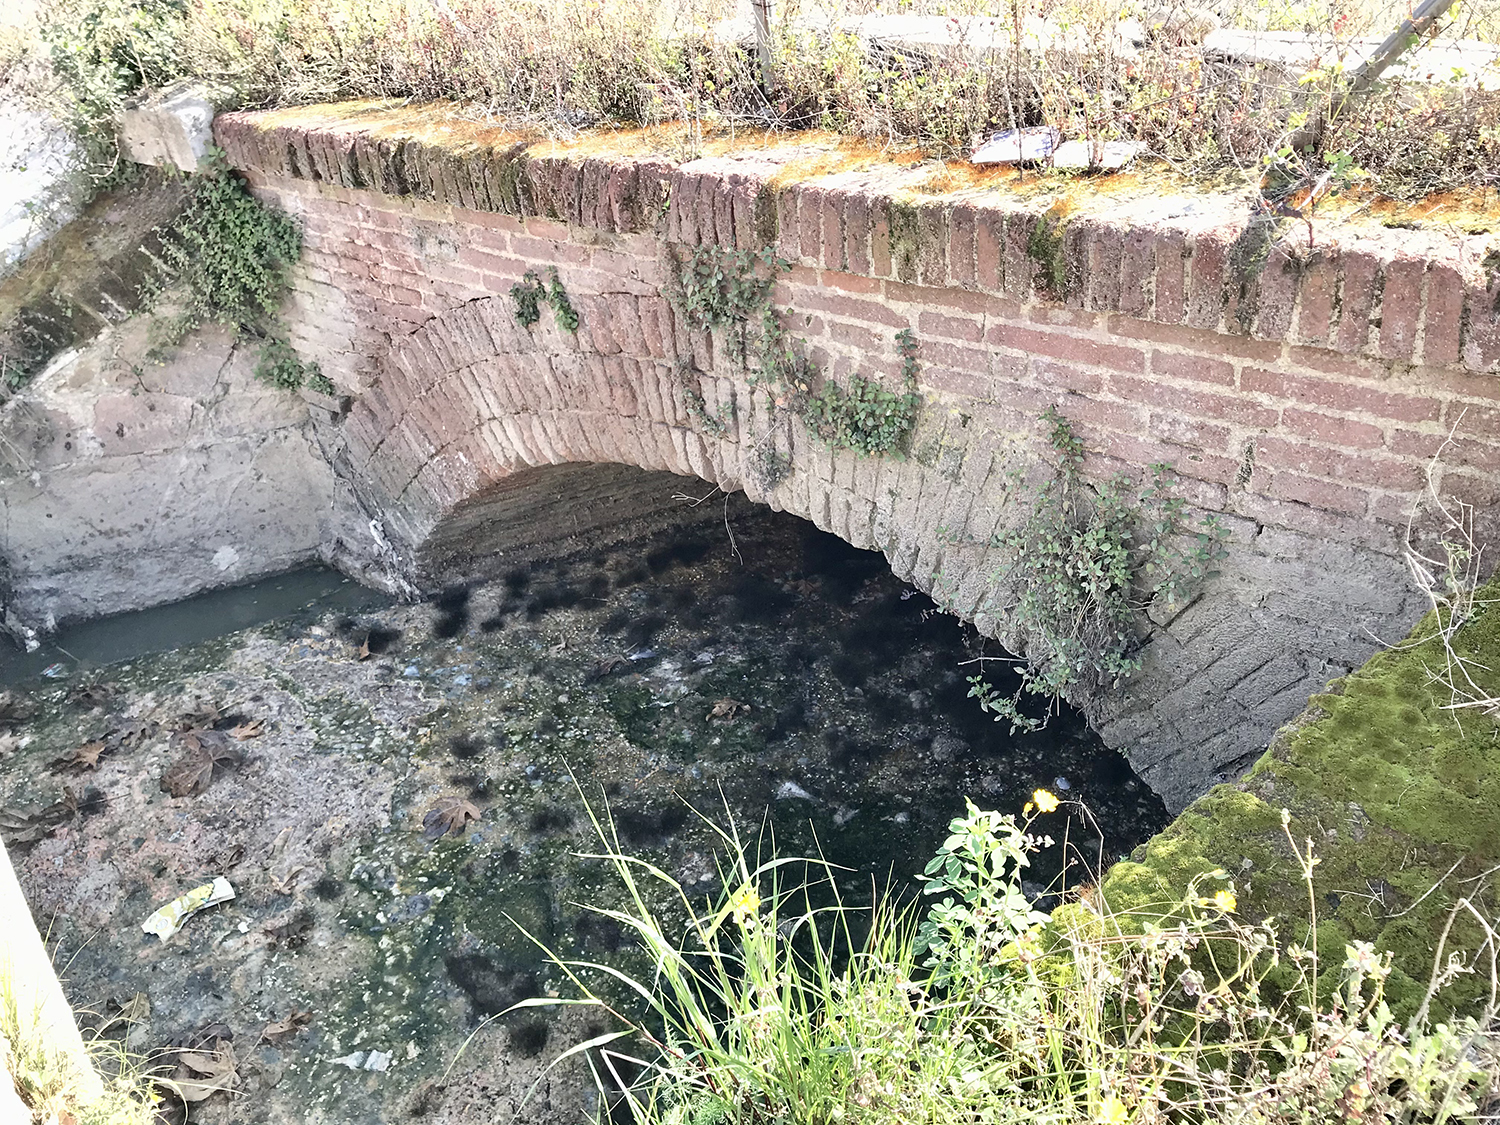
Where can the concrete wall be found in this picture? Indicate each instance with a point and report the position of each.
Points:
(126, 483)
(1298, 392)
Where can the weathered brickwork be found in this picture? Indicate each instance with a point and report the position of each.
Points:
(1300, 395)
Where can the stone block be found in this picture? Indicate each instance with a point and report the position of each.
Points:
(170, 127)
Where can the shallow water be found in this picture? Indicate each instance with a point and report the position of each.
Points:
(92, 644)
(782, 679)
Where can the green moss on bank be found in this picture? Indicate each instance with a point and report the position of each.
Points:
(1393, 790)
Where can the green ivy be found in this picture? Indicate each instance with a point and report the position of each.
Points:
(866, 417)
(724, 289)
(231, 254)
(529, 294)
(228, 259)
(717, 287)
(1084, 563)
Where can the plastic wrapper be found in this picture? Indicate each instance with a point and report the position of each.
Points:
(169, 919)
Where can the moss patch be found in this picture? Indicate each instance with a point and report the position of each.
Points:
(1392, 789)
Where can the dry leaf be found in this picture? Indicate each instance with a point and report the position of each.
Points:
(449, 816)
(364, 649)
(201, 1075)
(248, 730)
(205, 750)
(28, 828)
(206, 715)
(292, 934)
(727, 709)
(278, 1030)
(85, 758)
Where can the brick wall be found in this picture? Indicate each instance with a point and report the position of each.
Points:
(1299, 393)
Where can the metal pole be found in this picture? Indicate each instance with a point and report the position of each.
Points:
(1368, 73)
(762, 13)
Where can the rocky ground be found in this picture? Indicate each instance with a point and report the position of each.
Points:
(398, 801)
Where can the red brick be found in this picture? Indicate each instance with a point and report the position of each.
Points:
(855, 336)
(1315, 493)
(857, 233)
(1205, 341)
(1020, 267)
(1198, 368)
(1401, 307)
(1169, 294)
(1308, 390)
(1370, 470)
(1181, 430)
(880, 237)
(929, 297)
(1358, 271)
(809, 222)
(625, 325)
(1463, 452)
(1137, 270)
(844, 305)
(962, 238)
(1101, 414)
(954, 356)
(1195, 402)
(1333, 363)
(849, 282)
(1443, 317)
(1061, 316)
(1206, 276)
(1106, 252)
(1331, 430)
(1315, 299)
(967, 384)
(1076, 348)
(950, 327)
(989, 234)
(831, 208)
(1067, 376)
(1137, 451)
(788, 228)
(1277, 294)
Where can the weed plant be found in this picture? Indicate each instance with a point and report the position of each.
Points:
(773, 1009)
(46, 1080)
(557, 65)
(1084, 562)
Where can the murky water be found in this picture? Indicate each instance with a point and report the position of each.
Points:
(87, 645)
(782, 678)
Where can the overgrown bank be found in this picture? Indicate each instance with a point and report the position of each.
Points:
(1091, 68)
(1397, 793)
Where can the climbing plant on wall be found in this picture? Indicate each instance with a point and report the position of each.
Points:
(228, 260)
(730, 290)
(1083, 563)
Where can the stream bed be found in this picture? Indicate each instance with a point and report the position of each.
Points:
(778, 677)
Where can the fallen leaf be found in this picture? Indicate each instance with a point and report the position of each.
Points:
(606, 666)
(364, 649)
(449, 816)
(85, 758)
(727, 708)
(95, 694)
(278, 1030)
(28, 828)
(205, 750)
(14, 710)
(206, 714)
(291, 934)
(283, 884)
(248, 730)
(9, 744)
(200, 1075)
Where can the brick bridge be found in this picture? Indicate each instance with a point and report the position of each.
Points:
(1299, 393)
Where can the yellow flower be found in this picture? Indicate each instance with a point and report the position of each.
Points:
(744, 904)
(1045, 802)
(1225, 901)
(1112, 1112)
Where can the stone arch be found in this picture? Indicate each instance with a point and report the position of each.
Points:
(467, 409)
